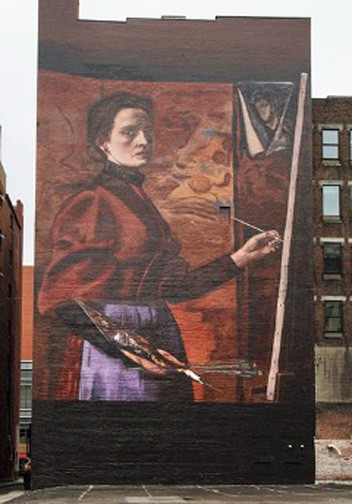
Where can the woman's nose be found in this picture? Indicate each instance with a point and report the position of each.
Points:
(142, 138)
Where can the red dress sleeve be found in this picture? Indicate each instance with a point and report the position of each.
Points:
(85, 236)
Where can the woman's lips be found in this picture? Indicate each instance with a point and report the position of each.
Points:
(143, 153)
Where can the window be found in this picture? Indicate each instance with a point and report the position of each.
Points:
(331, 202)
(26, 397)
(23, 435)
(333, 318)
(225, 213)
(26, 389)
(332, 258)
(330, 144)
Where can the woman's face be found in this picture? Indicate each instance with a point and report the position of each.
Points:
(130, 143)
(265, 110)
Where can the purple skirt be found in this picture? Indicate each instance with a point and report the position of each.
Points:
(108, 378)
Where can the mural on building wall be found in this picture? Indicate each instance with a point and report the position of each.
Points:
(162, 219)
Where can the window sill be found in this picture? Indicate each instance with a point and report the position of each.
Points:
(332, 276)
(331, 162)
(332, 220)
(331, 343)
(333, 336)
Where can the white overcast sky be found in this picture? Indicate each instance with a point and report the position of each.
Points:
(331, 65)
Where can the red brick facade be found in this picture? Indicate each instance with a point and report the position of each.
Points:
(11, 226)
(332, 158)
(27, 313)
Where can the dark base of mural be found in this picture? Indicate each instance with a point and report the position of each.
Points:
(168, 444)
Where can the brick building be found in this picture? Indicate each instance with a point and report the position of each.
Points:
(11, 227)
(332, 158)
(205, 80)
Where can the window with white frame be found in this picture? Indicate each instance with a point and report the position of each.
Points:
(332, 258)
(330, 143)
(333, 319)
(331, 201)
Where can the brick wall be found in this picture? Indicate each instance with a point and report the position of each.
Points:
(27, 312)
(333, 355)
(10, 326)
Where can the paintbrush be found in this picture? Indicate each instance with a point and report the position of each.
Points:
(252, 226)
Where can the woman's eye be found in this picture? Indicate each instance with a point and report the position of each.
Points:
(129, 133)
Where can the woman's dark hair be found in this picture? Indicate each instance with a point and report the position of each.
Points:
(102, 114)
(268, 95)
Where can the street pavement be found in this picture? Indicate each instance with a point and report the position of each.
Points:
(158, 494)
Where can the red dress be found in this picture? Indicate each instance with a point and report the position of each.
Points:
(112, 247)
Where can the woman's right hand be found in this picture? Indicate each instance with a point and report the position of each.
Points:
(257, 248)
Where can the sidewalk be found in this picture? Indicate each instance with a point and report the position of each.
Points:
(11, 490)
(157, 494)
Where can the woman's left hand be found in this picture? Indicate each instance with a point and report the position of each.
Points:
(256, 248)
(160, 363)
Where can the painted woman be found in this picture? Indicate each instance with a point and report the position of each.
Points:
(113, 250)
